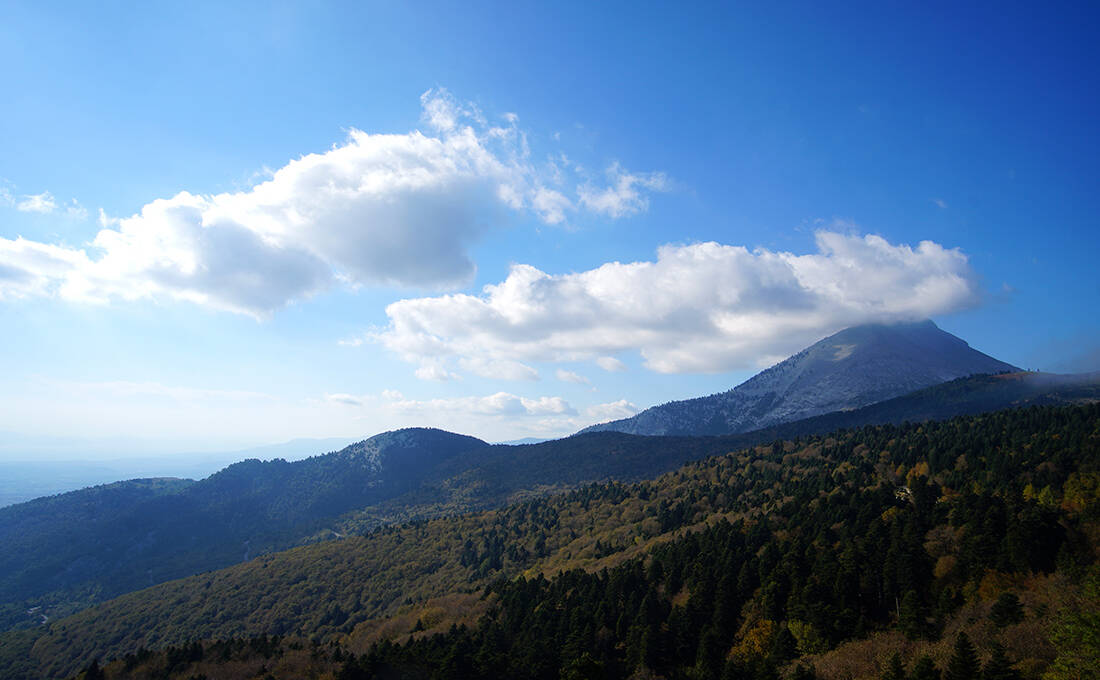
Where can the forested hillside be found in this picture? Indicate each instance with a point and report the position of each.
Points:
(822, 556)
(965, 396)
(60, 554)
(69, 550)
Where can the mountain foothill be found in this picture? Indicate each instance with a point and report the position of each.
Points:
(888, 502)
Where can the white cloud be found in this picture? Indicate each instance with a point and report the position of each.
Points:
(434, 370)
(39, 203)
(29, 268)
(570, 376)
(498, 369)
(470, 413)
(623, 196)
(379, 209)
(610, 364)
(704, 307)
(76, 211)
(499, 404)
(345, 399)
(43, 203)
(551, 205)
(441, 111)
(940, 203)
(614, 410)
(105, 220)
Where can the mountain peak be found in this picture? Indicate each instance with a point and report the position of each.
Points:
(409, 444)
(852, 368)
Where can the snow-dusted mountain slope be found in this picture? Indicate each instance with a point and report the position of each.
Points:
(858, 366)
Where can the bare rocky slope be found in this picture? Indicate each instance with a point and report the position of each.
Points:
(853, 368)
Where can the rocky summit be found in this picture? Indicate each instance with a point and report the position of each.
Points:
(853, 368)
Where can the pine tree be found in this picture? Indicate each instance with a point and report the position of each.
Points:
(708, 661)
(353, 669)
(925, 669)
(94, 672)
(910, 620)
(894, 670)
(783, 645)
(584, 667)
(964, 663)
(1006, 610)
(999, 667)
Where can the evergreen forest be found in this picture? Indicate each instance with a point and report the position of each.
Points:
(957, 549)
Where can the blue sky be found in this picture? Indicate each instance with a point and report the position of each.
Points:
(223, 226)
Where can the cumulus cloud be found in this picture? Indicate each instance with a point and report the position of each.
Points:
(76, 211)
(378, 209)
(43, 203)
(38, 203)
(29, 268)
(345, 399)
(105, 220)
(500, 369)
(704, 307)
(612, 410)
(434, 370)
(551, 205)
(610, 364)
(570, 376)
(518, 414)
(498, 416)
(626, 195)
(499, 404)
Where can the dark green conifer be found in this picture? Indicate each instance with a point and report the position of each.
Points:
(999, 667)
(1006, 610)
(94, 672)
(925, 669)
(708, 658)
(964, 663)
(783, 644)
(894, 670)
(910, 619)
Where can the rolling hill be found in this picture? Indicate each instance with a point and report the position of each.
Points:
(742, 565)
(66, 551)
(63, 553)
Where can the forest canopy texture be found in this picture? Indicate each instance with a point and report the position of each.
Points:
(958, 549)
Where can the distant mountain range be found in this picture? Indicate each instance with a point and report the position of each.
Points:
(69, 551)
(609, 568)
(101, 541)
(853, 368)
(33, 467)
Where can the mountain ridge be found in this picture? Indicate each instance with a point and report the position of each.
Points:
(84, 545)
(254, 507)
(481, 477)
(331, 592)
(855, 367)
